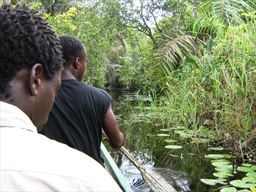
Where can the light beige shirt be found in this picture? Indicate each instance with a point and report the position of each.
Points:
(33, 163)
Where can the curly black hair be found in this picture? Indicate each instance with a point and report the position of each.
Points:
(26, 39)
(71, 48)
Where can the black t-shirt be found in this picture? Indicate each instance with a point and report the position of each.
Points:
(77, 116)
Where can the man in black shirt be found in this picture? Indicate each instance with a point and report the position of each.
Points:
(80, 111)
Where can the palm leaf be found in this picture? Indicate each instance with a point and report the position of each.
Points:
(228, 11)
(172, 53)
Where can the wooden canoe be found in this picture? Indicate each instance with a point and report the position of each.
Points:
(112, 167)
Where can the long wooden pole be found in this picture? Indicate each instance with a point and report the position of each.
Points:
(155, 181)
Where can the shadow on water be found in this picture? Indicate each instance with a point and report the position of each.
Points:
(182, 168)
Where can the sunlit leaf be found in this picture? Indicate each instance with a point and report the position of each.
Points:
(215, 148)
(245, 169)
(163, 135)
(251, 174)
(223, 174)
(228, 189)
(249, 180)
(227, 169)
(213, 182)
(165, 130)
(214, 156)
(170, 140)
(173, 146)
(241, 184)
(221, 163)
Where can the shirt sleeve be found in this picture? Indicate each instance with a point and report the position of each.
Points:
(105, 101)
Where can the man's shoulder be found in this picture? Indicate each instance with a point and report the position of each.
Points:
(97, 91)
(78, 165)
(49, 161)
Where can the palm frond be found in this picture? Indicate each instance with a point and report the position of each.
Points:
(228, 11)
(171, 54)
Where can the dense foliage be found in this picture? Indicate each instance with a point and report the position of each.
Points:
(196, 57)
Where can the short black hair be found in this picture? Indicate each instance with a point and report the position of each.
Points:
(71, 48)
(26, 39)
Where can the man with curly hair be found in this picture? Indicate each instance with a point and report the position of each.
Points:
(30, 75)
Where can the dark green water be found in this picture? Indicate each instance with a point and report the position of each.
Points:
(183, 168)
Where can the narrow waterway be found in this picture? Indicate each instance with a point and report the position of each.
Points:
(183, 168)
(185, 159)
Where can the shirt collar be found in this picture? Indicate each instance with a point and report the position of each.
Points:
(12, 117)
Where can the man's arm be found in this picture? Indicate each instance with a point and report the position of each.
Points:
(110, 127)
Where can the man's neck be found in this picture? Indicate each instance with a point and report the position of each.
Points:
(66, 74)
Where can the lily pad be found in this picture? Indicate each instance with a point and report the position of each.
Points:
(165, 130)
(246, 165)
(170, 140)
(251, 174)
(228, 156)
(228, 189)
(225, 168)
(213, 182)
(220, 160)
(244, 190)
(173, 146)
(162, 135)
(215, 148)
(223, 174)
(214, 156)
(241, 184)
(221, 163)
(249, 180)
(245, 169)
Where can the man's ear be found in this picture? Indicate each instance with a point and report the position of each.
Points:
(76, 63)
(35, 78)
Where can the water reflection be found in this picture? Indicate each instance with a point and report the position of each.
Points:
(179, 180)
(182, 168)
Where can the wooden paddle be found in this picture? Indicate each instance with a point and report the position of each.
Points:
(155, 181)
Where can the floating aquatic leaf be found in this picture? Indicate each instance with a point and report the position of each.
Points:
(163, 135)
(173, 146)
(221, 163)
(253, 189)
(228, 189)
(223, 174)
(165, 130)
(215, 148)
(251, 174)
(220, 160)
(177, 128)
(249, 180)
(241, 184)
(253, 167)
(213, 182)
(170, 140)
(245, 169)
(246, 165)
(214, 156)
(228, 156)
(244, 190)
(225, 168)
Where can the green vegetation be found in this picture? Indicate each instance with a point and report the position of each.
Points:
(195, 60)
